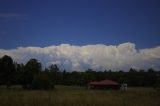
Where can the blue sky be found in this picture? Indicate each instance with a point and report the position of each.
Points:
(79, 22)
(81, 34)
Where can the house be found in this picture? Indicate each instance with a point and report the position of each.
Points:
(104, 84)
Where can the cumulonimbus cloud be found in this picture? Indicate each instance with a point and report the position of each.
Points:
(98, 57)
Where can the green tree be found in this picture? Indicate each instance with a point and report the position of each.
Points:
(1, 72)
(18, 73)
(32, 68)
(151, 77)
(7, 70)
(157, 83)
(42, 81)
(55, 74)
(89, 75)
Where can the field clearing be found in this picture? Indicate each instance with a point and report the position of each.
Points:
(79, 96)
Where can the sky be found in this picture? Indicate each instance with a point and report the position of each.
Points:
(78, 24)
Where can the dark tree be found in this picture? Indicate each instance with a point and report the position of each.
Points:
(42, 81)
(1, 72)
(7, 70)
(32, 76)
(32, 68)
(18, 73)
(55, 74)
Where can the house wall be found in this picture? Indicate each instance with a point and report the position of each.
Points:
(105, 87)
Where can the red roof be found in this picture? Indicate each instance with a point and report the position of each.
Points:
(103, 82)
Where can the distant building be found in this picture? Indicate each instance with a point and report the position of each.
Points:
(104, 84)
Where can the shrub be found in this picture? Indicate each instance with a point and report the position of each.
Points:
(42, 82)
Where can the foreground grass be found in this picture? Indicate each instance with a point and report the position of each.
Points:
(79, 96)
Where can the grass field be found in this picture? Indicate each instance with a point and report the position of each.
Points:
(79, 96)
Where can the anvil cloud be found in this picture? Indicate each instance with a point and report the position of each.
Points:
(98, 57)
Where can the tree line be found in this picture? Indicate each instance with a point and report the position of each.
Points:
(32, 76)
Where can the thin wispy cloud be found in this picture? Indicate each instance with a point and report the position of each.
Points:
(13, 16)
(9, 15)
(98, 57)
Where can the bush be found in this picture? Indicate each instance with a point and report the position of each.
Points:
(157, 84)
(42, 82)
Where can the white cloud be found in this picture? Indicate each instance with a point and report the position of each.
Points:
(99, 57)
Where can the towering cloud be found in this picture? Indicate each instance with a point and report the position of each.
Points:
(98, 57)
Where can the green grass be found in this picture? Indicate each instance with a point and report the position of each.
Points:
(79, 96)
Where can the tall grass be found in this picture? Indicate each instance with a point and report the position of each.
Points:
(79, 96)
